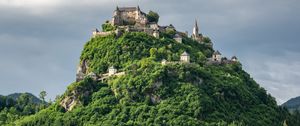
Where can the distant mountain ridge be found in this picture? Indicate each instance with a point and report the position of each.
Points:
(292, 104)
(35, 99)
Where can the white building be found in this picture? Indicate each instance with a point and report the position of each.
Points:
(234, 59)
(112, 70)
(217, 56)
(156, 33)
(185, 57)
(177, 38)
(163, 62)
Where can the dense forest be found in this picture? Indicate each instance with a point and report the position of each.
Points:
(187, 94)
(18, 105)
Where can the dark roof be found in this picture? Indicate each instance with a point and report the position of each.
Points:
(177, 36)
(217, 53)
(185, 54)
(234, 57)
(171, 26)
(127, 8)
(112, 67)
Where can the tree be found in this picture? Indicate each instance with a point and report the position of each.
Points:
(42, 95)
(153, 52)
(152, 16)
(57, 97)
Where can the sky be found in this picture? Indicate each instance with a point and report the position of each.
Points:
(41, 40)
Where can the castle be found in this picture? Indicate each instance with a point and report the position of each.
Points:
(129, 16)
(132, 19)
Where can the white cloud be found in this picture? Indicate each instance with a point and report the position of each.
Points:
(279, 75)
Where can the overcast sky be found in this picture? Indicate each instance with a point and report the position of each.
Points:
(41, 40)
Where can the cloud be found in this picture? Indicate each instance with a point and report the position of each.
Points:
(278, 74)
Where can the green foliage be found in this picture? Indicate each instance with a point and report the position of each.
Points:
(42, 95)
(206, 40)
(108, 27)
(152, 16)
(13, 109)
(152, 94)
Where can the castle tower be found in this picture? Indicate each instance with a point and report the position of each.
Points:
(138, 13)
(116, 11)
(116, 17)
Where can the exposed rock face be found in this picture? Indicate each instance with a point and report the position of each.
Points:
(81, 70)
(69, 102)
(155, 98)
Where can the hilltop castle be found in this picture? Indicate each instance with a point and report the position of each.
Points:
(129, 16)
(132, 19)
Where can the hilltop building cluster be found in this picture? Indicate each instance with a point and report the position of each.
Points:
(218, 59)
(82, 73)
(132, 19)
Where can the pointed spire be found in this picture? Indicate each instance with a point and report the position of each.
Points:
(138, 8)
(196, 29)
(117, 8)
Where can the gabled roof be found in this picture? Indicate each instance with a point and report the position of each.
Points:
(177, 36)
(112, 67)
(92, 74)
(185, 54)
(217, 53)
(234, 57)
(171, 26)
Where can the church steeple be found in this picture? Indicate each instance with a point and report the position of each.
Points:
(138, 8)
(196, 29)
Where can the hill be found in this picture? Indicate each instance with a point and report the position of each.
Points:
(150, 93)
(16, 96)
(292, 104)
(18, 105)
(140, 77)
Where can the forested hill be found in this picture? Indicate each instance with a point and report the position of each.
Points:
(132, 77)
(16, 96)
(150, 93)
(292, 104)
(18, 105)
